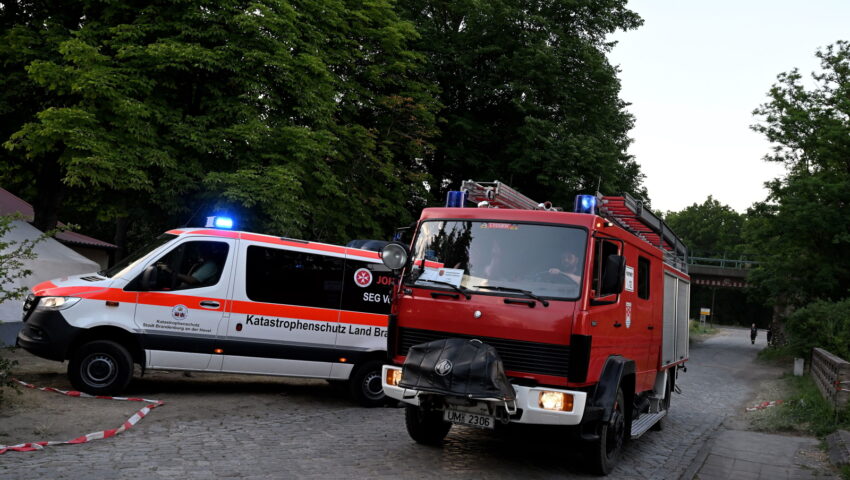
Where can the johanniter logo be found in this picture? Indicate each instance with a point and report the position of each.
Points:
(443, 368)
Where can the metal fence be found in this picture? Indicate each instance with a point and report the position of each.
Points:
(832, 376)
(738, 263)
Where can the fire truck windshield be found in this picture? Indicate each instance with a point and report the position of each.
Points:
(492, 258)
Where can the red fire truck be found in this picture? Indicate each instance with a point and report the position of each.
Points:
(516, 312)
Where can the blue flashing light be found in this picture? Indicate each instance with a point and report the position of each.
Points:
(225, 223)
(585, 204)
(455, 199)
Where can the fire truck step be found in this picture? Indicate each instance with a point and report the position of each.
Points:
(645, 422)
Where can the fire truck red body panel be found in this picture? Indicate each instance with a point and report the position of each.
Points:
(613, 324)
(640, 341)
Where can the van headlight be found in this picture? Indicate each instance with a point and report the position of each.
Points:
(57, 303)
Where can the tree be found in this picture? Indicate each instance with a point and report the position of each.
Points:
(709, 229)
(528, 95)
(279, 110)
(802, 231)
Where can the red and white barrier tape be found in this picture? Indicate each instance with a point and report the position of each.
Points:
(763, 405)
(32, 446)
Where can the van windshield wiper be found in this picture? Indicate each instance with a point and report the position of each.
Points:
(460, 290)
(514, 290)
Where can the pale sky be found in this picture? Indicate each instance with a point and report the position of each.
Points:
(695, 71)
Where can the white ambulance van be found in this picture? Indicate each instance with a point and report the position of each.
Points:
(212, 300)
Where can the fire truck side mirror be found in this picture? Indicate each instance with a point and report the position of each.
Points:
(613, 275)
(395, 256)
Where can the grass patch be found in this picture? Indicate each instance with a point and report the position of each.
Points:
(773, 354)
(803, 411)
(699, 330)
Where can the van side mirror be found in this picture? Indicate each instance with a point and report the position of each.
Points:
(613, 275)
(149, 277)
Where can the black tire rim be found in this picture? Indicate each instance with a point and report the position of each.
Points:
(371, 386)
(99, 370)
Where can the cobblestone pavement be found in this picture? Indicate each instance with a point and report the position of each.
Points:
(310, 433)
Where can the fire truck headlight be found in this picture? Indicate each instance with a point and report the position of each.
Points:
(558, 401)
(394, 256)
(58, 303)
(393, 377)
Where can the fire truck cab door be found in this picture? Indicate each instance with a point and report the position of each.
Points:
(182, 303)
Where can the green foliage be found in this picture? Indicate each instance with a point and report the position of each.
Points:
(286, 110)
(801, 230)
(709, 229)
(528, 95)
(820, 324)
(804, 410)
(12, 257)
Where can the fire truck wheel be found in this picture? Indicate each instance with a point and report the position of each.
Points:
(665, 404)
(365, 384)
(426, 426)
(605, 452)
(100, 367)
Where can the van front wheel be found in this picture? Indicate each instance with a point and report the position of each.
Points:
(101, 367)
(365, 384)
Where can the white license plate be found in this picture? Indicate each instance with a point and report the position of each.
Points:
(470, 419)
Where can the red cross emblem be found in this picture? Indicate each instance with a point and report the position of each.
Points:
(363, 278)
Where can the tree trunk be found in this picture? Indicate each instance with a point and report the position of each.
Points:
(50, 191)
(120, 240)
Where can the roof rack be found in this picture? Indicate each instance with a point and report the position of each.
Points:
(629, 214)
(499, 195)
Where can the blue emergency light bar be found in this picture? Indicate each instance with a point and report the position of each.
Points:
(225, 223)
(455, 199)
(585, 204)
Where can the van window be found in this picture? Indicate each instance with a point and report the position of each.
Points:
(643, 278)
(274, 275)
(193, 264)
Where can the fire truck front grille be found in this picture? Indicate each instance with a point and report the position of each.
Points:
(517, 355)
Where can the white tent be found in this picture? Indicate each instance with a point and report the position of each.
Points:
(53, 260)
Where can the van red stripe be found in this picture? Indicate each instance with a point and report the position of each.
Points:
(288, 311)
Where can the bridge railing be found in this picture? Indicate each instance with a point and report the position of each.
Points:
(832, 376)
(739, 264)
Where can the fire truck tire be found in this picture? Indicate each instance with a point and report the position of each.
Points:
(365, 384)
(605, 452)
(100, 367)
(426, 426)
(665, 404)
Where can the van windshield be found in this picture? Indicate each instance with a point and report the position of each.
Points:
(488, 257)
(130, 261)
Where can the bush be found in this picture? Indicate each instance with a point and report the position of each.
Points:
(820, 324)
(12, 256)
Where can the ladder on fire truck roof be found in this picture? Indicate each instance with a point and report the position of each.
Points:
(630, 215)
(499, 195)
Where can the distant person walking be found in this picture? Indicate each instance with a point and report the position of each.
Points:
(753, 332)
(769, 334)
